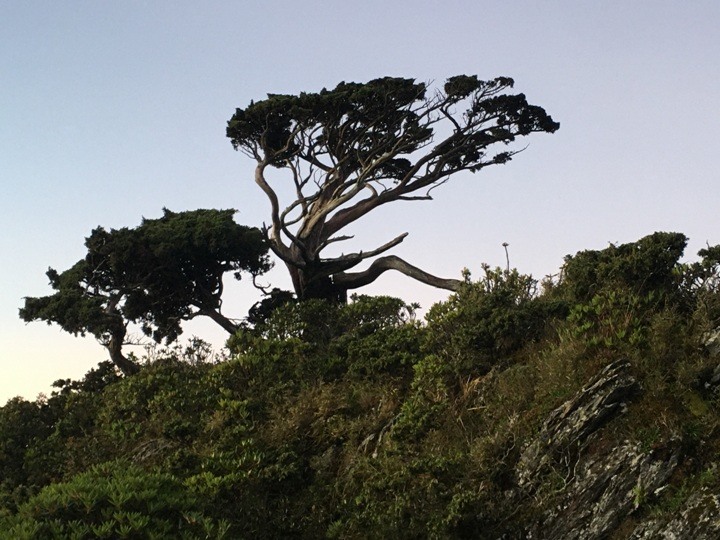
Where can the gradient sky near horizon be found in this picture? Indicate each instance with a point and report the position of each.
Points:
(110, 111)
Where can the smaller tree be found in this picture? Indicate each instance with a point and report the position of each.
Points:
(165, 271)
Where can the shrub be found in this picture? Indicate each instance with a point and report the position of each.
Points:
(648, 265)
(325, 340)
(614, 318)
(487, 321)
(113, 500)
(615, 293)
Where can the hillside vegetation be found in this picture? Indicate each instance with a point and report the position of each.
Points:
(359, 421)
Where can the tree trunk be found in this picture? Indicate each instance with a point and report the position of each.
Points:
(312, 283)
(124, 364)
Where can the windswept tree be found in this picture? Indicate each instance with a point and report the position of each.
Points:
(350, 150)
(165, 271)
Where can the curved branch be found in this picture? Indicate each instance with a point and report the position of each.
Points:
(272, 196)
(392, 262)
(389, 245)
(274, 232)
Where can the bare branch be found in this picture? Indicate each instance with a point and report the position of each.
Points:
(274, 203)
(382, 249)
(336, 239)
(225, 323)
(345, 262)
(414, 198)
(392, 262)
(261, 288)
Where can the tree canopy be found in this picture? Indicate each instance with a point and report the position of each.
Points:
(159, 274)
(349, 150)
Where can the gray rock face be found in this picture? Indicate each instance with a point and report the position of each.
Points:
(569, 426)
(711, 342)
(606, 489)
(699, 519)
(601, 489)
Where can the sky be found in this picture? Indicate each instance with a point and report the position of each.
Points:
(110, 111)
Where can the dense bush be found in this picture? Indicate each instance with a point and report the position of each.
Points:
(368, 336)
(113, 500)
(488, 320)
(648, 265)
(616, 293)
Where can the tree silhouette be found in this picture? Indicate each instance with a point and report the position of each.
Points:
(350, 150)
(165, 271)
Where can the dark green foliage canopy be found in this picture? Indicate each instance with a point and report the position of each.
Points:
(349, 150)
(159, 274)
(617, 291)
(485, 322)
(646, 265)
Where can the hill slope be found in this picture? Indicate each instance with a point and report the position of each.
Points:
(587, 411)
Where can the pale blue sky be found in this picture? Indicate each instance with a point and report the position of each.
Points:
(111, 110)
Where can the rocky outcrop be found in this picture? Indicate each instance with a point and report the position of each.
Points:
(698, 519)
(568, 427)
(602, 489)
(605, 490)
